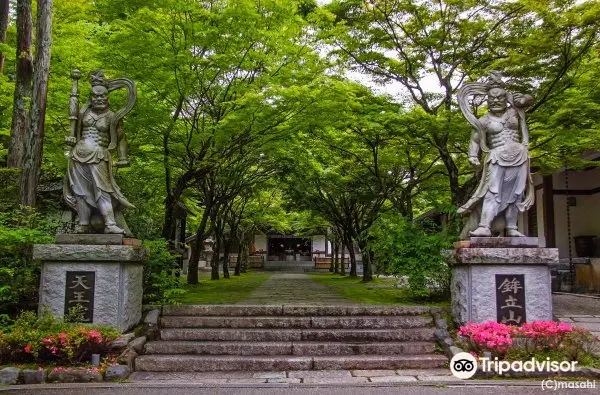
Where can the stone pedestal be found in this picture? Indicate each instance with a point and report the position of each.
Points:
(105, 280)
(501, 279)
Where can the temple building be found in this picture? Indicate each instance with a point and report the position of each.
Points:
(282, 247)
(566, 216)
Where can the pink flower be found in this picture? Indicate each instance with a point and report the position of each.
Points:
(62, 337)
(491, 336)
(95, 336)
(27, 348)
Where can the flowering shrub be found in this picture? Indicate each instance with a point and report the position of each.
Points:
(530, 339)
(488, 336)
(544, 329)
(49, 340)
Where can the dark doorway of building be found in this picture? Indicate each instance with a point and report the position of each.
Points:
(289, 249)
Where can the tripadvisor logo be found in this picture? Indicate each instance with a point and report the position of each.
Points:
(464, 365)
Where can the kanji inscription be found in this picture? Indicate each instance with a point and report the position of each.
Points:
(510, 298)
(80, 292)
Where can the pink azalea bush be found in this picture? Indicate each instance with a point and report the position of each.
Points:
(531, 337)
(46, 339)
(488, 336)
(73, 345)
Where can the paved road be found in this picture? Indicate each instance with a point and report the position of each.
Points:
(568, 304)
(296, 288)
(578, 310)
(470, 387)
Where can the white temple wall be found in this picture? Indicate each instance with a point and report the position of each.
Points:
(260, 242)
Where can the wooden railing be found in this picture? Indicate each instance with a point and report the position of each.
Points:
(256, 262)
(322, 263)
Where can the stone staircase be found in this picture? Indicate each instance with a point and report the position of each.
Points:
(291, 337)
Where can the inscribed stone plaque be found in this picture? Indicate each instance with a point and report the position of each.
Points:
(80, 292)
(510, 298)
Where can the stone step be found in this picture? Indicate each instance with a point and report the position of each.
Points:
(325, 335)
(202, 363)
(218, 347)
(294, 310)
(374, 362)
(287, 348)
(385, 348)
(348, 322)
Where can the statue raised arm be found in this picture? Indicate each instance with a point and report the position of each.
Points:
(502, 137)
(90, 187)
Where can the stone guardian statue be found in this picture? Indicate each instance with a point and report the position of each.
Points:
(501, 135)
(90, 187)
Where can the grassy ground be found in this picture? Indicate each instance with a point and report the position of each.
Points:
(381, 290)
(223, 291)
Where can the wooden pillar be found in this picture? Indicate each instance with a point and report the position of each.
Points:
(548, 200)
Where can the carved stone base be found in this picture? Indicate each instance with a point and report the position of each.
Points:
(474, 285)
(105, 280)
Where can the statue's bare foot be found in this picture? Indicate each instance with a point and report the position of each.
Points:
(514, 233)
(482, 231)
(113, 229)
(82, 229)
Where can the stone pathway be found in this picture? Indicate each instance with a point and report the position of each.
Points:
(301, 377)
(578, 310)
(296, 288)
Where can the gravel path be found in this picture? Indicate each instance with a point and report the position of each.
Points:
(296, 288)
(566, 305)
(578, 310)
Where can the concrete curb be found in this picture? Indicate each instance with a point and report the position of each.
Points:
(188, 384)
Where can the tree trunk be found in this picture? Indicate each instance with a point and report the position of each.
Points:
(350, 247)
(366, 259)
(246, 241)
(343, 267)
(453, 173)
(23, 88)
(245, 255)
(233, 225)
(332, 265)
(214, 265)
(192, 277)
(30, 177)
(336, 257)
(168, 230)
(4, 7)
(227, 246)
(238, 261)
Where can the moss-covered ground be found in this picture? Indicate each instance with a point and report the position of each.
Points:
(381, 291)
(223, 291)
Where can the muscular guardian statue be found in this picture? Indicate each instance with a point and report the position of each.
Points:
(90, 187)
(506, 187)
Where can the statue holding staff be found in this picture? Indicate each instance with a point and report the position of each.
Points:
(90, 187)
(506, 187)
